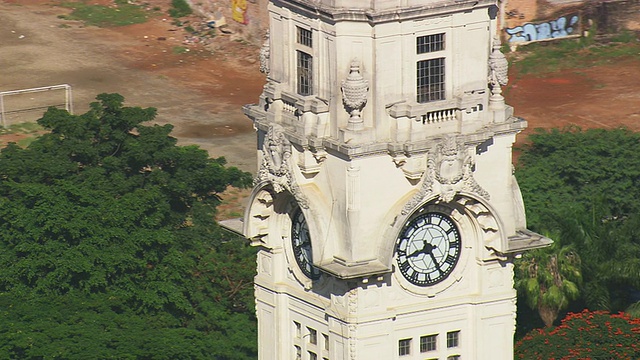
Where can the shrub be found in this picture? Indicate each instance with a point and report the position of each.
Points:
(584, 335)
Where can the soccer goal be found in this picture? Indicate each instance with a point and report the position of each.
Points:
(28, 105)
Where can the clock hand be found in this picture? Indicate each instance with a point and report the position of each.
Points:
(435, 262)
(424, 250)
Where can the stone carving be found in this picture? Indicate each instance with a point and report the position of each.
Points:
(498, 70)
(276, 165)
(449, 171)
(353, 311)
(264, 55)
(261, 210)
(354, 95)
(352, 342)
(353, 301)
(486, 221)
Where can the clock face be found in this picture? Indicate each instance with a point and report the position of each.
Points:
(428, 249)
(301, 244)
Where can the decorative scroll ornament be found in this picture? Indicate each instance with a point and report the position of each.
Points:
(449, 171)
(276, 165)
(354, 95)
(264, 55)
(498, 72)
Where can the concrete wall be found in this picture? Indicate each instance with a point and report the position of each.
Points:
(257, 15)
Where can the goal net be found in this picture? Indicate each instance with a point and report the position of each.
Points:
(28, 105)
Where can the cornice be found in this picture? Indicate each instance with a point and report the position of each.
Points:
(331, 14)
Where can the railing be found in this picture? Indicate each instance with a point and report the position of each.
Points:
(289, 107)
(438, 116)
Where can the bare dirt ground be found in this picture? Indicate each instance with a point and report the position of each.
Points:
(201, 93)
(606, 96)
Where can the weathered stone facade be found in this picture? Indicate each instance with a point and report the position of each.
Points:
(384, 146)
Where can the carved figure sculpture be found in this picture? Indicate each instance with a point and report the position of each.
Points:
(449, 171)
(276, 166)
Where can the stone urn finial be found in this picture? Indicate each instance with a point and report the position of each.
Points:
(354, 95)
(498, 75)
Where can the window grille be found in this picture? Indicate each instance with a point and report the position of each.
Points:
(453, 339)
(429, 43)
(305, 73)
(404, 347)
(430, 80)
(428, 343)
(305, 37)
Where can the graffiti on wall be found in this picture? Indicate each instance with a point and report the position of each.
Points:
(561, 27)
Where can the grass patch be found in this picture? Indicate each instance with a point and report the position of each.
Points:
(120, 13)
(27, 128)
(22, 128)
(625, 36)
(179, 50)
(547, 57)
(23, 143)
(179, 8)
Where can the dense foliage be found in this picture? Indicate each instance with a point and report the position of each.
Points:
(108, 247)
(584, 335)
(583, 188)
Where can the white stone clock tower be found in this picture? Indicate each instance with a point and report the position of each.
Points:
(385, 207)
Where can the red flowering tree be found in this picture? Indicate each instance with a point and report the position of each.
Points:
(584, 335)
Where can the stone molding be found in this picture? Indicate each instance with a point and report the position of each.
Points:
(449, 171)
(328, 13)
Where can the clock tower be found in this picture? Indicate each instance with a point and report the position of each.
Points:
(385, 208)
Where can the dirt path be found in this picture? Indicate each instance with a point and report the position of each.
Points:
(200, 93)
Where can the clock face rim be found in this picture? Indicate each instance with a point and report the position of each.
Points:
(418, 256)
(299, 238)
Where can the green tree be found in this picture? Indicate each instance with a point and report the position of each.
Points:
(549, 279)
(582, 186)
(109, 248)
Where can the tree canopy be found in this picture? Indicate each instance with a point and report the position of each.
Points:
(109, 248)
(584, 335)
(583, 186)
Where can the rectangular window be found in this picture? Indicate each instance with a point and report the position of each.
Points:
(453, 357)
(453, 339)
(304, 37)
(313, 356)
(326, 341)
(429, 43)
(313, 336)
(298, 352)
(428, 343)
(404, 347)
(297, 328)
(305, 73)
(430, 80)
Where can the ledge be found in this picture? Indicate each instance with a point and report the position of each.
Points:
(347, 270)
(525, 239)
